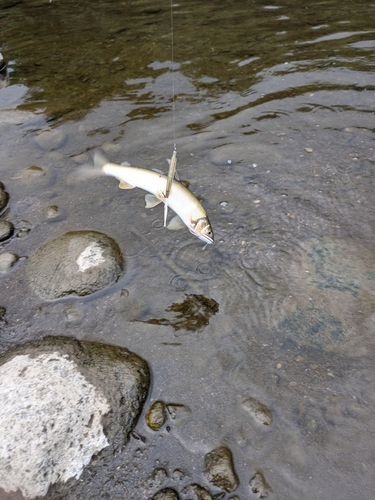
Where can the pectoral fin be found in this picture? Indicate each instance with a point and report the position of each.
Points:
(151, 201)
(175, 224)
(125, 185)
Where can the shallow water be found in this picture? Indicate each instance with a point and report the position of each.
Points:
(274, 126)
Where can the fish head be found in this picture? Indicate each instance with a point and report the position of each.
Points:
(202, 229)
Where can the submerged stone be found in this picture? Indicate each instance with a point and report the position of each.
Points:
(77, 263)
(166, 494)
(6, 229)
(259, 486)
(50, 139)
(156, 415)
(197, 492)
(7, 260)
(4, 197)
(260, 412)
(219, 469)
(61, 402)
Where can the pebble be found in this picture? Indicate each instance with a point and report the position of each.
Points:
(32, 172)
(81, 158)
(4, 197)
(50, 140)
(6, 230)
(7, 260)
(110, 148)
(166, 494)
(156, 415)
(180, 414)
(52, 211)
(219, 469)
(259, 486)
(260, 412)
(197, 492)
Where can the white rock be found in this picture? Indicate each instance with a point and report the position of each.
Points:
(50, 422)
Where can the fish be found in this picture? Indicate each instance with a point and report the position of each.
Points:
(189, 211)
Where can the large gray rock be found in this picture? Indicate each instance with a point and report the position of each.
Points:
(78, 263)
(61, 402)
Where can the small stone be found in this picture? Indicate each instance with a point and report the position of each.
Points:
(259, 485)
(197, 492)
(73, 313)
(309, 150)
(258, 410)
(32, 172)
(110, 148)
(50, 139)
(6, 230)
(52, 211)
(156, 415)
(219, 469)
(180, 414)
(124, 293)
(166, 494)
(4, 197)
(81, 158)
(7, 260)
(159, 475)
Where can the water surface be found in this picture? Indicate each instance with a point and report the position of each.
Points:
(274, 126)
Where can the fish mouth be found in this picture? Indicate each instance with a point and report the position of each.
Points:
(202, 236)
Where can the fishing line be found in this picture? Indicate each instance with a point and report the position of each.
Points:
(173, 82)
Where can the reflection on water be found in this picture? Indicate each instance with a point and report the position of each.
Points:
(274, 128)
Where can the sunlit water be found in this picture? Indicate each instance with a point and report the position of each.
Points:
(274, 126)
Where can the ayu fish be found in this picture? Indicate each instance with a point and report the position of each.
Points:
(188, 209)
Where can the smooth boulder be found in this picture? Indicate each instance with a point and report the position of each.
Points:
(76, 263)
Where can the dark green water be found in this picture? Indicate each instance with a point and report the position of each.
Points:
(274, 126)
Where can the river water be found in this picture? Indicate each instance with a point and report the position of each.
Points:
(274, 126)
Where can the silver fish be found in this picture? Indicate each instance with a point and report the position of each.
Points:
(180, 199)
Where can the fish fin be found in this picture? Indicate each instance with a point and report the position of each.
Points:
(99, 160)
(165, 212)
(125, 164)
(168, 160)
(151, 201)
(125, 185)
(158, 171)
(175, 224)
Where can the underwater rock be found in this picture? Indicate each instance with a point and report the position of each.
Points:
(258, 411)
(61, 402)
(4, 197)
(197, 492)
(50, 140)
(166, 494)
(259, 485)
(156, 415)
(219, 469)
(6, 230)
(180, 414)
(52, 212)
(159, 475)
(7, 260)
(32, 172)
(78, 263)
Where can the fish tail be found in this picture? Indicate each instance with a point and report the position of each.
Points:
(99, 160)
